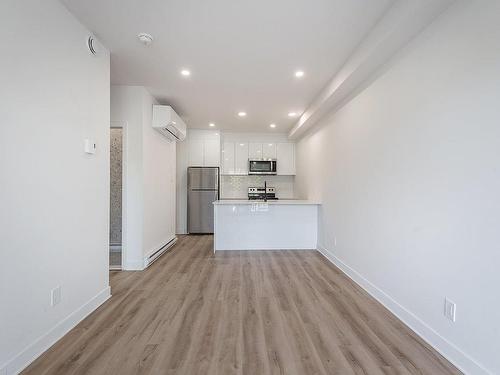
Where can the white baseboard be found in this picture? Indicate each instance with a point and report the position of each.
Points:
(28, 355)
(133, 265)
(453, 354)
(267, 249)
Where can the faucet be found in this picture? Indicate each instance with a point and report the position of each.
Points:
(265, 191)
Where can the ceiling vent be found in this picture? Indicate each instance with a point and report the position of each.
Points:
(145, 39)
(93, 45)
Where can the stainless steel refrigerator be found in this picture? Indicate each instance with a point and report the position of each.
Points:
(203, 190)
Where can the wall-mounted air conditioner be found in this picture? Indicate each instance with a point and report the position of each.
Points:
(168, 123)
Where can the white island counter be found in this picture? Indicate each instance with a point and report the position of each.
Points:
(272, 225)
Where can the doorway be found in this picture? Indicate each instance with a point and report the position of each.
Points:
(116, 200)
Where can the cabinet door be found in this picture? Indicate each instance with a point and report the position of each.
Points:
(241, 158)
(211, 152)
(196, 153)
(228, 158)
(255, 150)
(285, 155)
(269, 150)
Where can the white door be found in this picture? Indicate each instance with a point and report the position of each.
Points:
(285, 155)
(228, 158)
(269, 150)
(196, 147)
(211, 151)
(241, 158)
(255, 150)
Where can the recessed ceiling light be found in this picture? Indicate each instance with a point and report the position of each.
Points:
(145, 38)
(292, 114)
(211, 124)
(242, 144)
(272, 125)
(185, 72)
(242, 114)
(299, 74)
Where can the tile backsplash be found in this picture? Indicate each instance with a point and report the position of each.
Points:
(236, 187)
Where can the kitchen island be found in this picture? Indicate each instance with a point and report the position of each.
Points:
(272, 225)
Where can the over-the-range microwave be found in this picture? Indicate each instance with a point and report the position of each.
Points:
(261, 166)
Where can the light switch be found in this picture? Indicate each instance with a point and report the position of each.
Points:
(89, 146)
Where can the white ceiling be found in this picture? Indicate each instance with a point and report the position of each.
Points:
(242, 54)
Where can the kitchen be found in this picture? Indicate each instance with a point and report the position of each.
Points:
(246, 162)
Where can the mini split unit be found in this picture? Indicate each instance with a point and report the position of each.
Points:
(168, 123)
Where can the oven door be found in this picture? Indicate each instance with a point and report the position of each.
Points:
(261, 166)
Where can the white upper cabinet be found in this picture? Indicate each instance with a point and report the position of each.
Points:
(211, 153)
(285, 155)
(241, 158)
(228, 160)
(196, 151)
(203, 149)
(269, 150)
(236, 152)
(255, 150)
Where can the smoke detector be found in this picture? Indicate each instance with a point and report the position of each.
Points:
(145, 39)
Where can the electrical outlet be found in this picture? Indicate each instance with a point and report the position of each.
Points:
(55, 296)
(450, 309)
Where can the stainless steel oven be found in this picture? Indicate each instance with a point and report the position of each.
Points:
(262, 166)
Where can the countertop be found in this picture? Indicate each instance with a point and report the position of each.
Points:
(270, 202)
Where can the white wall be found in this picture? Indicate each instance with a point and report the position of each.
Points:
(159, 183)
(182, 161)
(408, 174)
(54, 198)
(126, 110)
(149, 176)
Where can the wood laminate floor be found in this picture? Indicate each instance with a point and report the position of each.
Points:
(256, 313)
